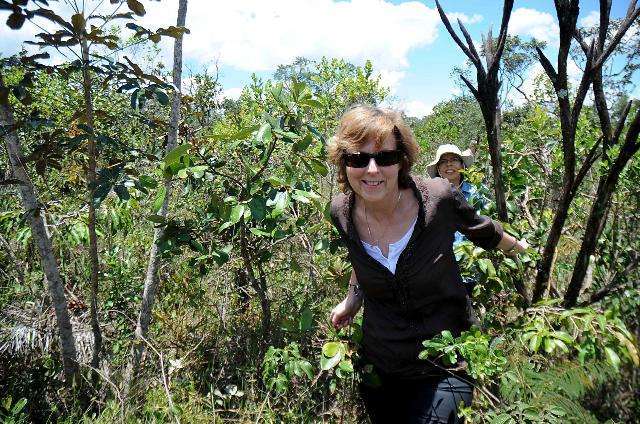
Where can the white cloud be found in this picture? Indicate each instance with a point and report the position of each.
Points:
(232, 93)
(533, 23)
(591, 20)
(257, 35)
(416, 108)
(391, 79)
(465, 19)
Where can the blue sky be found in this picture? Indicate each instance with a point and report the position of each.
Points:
(405, 40)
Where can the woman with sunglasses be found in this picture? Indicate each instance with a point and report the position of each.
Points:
(399, 230)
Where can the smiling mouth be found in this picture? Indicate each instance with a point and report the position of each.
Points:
(372, 183)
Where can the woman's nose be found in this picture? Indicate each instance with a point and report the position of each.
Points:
(372, 168)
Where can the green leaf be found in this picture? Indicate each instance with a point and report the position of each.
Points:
(258, 207)
(77, 20)
(260, 233)
(162, 97)
(147, 182)
(612, 357)
(549, 344)
(264, 134)
(306, 320)
(307, 368)
(244, 133)
(136, 7)
(330, 349)
(157, 219)
(159, 200)
(236, 213)
(122, 192)
(534, 343)
(280, 203)
(174, 155)
(319, 167)
(302, 145)
(346, 365)
(328, 363)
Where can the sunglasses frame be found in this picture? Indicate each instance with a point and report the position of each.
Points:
(362, 159)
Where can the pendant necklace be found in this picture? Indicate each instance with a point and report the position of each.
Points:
(366, 218)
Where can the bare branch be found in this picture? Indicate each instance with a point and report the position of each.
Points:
(615, 283)
(447, 25)
(632, 15)
(472, 48)
(592, 156)
(621, 121)
(580, 39)
(583, 88)
(471, 87)
(502, 36)
(548, 67)
(605, 11)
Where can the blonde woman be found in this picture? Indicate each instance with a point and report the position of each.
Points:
(399, 230)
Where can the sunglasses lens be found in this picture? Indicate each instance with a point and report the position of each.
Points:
(361, 160)
(357, 160)
(388, 158)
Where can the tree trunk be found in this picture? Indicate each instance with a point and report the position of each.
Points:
(91, 182)
(493, 120)
(151, 277)
(546, 262)
(41, 239)
(597, 217)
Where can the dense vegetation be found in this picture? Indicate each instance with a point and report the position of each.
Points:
(234, 198)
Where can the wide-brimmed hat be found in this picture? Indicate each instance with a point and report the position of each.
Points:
(466, 156)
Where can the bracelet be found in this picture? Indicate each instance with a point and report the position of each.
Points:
(356, 288)
(515, 243)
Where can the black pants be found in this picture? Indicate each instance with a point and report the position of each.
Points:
(430, 400)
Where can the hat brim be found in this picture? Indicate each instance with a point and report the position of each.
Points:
(466, 156)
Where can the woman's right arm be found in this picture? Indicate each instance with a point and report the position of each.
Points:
(343, 314)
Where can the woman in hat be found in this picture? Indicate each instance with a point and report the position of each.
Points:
(448, 163)
(398, 230)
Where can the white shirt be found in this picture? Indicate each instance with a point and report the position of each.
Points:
(395, 249)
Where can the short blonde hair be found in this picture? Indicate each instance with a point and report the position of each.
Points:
(359, 125)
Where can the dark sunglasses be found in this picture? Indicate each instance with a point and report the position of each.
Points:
(382, 158)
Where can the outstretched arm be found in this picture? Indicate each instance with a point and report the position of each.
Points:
(512, 246)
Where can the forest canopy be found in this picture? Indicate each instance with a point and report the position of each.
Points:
(166, 252)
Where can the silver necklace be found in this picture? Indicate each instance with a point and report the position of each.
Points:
(366, 218)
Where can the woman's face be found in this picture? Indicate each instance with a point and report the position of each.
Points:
(449, 167)
(375, 183)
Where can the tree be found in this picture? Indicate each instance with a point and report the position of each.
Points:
(567, 12)
(486, 93)
(35, 215)
(151, 278)
(616, 165)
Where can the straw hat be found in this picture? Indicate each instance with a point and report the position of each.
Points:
(466, 156)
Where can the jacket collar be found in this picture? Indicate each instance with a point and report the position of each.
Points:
(420, 191)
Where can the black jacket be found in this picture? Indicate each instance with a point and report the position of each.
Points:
(426, 295)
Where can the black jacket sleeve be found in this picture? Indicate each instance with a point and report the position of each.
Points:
(480, 229)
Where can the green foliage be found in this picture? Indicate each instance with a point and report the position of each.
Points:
(12, 413)
(482, 354)
(285, 368)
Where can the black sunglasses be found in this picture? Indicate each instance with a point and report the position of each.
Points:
(382, 158)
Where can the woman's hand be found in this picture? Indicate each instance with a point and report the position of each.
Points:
(342, 315)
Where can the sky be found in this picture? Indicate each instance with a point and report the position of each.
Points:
(405, 40)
